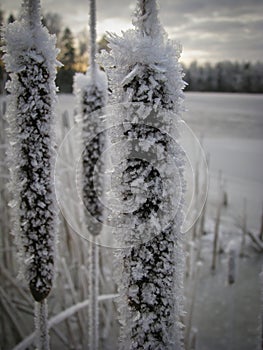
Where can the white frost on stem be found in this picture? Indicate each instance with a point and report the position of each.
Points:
(93, 36)
(41, 325)
(146, 18)
(30, 11)
(93, 295)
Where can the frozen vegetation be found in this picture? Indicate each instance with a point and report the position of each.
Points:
(91, 90)
(146, 80)
(161, 264)
(217, 324)
(31, 60)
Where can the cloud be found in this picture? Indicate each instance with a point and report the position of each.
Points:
(208, 29)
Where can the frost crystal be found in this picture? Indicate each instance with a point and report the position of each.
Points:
(146, 78)
(91, 91)
(92, 96)
(30, 59)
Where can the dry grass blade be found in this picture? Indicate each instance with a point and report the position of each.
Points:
(19, 289)
(10, 312)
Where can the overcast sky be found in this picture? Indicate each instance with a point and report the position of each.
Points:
(209, 30)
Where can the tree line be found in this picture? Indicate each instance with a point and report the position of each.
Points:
(223, 76)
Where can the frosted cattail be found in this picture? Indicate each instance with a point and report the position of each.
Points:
(146, 79)
(91, 91)
(92, 96)
(30, 59)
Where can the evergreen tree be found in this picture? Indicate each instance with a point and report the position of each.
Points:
(67, 54)
(67, 57)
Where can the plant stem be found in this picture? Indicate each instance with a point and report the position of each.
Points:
(41, 314)
(93, 47)
(93, 295)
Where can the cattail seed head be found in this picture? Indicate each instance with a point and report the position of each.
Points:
(30, 58)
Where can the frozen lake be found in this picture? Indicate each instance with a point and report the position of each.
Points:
(225, 115)
(231, 126)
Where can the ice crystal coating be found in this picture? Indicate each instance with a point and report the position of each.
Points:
(91, 92)
(30, 59)
(145, 76)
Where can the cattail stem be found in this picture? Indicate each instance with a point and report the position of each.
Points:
(147, 17)
(93, 295)
(231, 266)
(41, 324)
(188, 329)
(261, 227)
(216, 236)
(217, 223)
(261, 308)
(93, 35)
(34, 12)
(244, 228)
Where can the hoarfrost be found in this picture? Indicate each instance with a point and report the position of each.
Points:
(30, 58)
(146, 79)
(91, 92)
